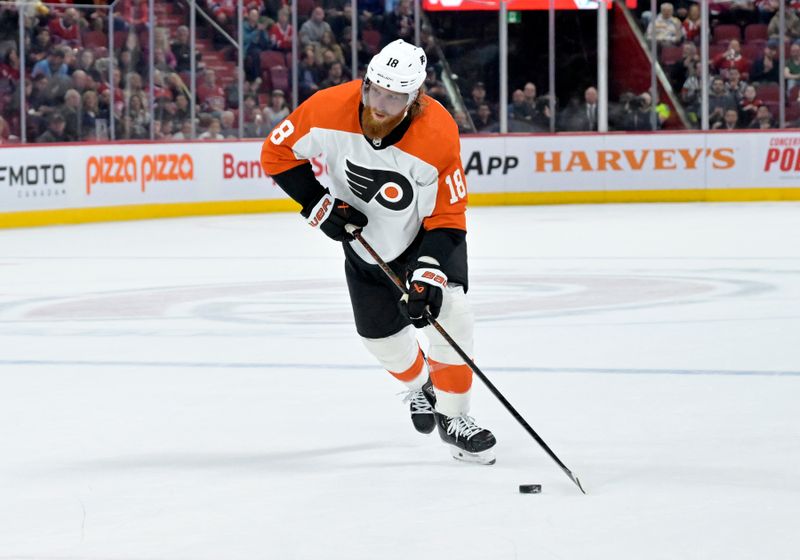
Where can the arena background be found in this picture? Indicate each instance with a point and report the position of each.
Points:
(633, 120)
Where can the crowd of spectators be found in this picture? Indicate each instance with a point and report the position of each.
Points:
(744, 65)
(68, 96)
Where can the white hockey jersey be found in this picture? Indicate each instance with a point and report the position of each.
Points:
(418, 181)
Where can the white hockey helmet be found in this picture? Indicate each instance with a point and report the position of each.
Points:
(399, 67)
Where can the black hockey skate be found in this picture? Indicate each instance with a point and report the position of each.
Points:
(467, 441)
(421, 407)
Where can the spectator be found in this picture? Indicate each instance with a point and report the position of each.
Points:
(9, 69)
(477, 97)
(67, 28)
(308, 74)
(639, 116)
(256, 40)
(250, 107)
(52, 65)
(399, 24)
(41, 100)
(792, 69)
(72, 113)
(541, 114)
(763, 119)
(749, 104)
(792, 26)
(518, 109)
(131, 58)
(5, 133)
(55, 130)
(182, 108)
(765, 69)
(767, 9)
(137, 120)
(462, 121)
(213, 132)
(679, 71)
(732, 58)
(161, 43)
(228, 126)
(224, 11)
(86, 62)
(730, 121)
(90, 115)
(41, 47)
(185, 133)
(277, 109)
(485, 122)
(131, 16)
(529, 90)
(735, 85)
(733, 11)
(589, 108)
(719, 100)
(668, 28)
(328, 43)
(280, 34)
(311, 31)
(690, 92)
(133, 84)
(692, 24)
(180, 48)
(209, 92)
(434, 87)
(335, 76)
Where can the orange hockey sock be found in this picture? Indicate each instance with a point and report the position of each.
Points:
(412, 372)
(450, 378)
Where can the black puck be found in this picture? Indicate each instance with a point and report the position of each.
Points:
(530, 488)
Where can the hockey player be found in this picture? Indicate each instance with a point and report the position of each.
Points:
(393, 155)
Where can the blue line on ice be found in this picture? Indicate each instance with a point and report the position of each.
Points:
(488, 369)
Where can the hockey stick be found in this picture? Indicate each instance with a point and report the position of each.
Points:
(435, 324)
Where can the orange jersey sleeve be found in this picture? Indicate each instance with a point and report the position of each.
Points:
(292, 143)
(436, 141)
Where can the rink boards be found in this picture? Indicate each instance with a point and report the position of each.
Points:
(71, 183)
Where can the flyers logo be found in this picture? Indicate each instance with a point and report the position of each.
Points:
(389, 188)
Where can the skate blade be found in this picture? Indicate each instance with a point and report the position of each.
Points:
(483, 458)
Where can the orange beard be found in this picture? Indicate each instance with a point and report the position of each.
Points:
(373, 128)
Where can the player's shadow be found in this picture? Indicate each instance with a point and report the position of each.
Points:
(370, 454)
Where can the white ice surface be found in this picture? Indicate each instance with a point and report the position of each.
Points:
(194, 389)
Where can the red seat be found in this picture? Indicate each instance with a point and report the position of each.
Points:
(272, 58)
(304, 7)
(279, 76)
(791, 97)
(756, 31)
(715, 50)
(372, 40)
(752, 51)
(768, 92)
(792, 112)
(95, 39)
(671, 55)
(727, 32)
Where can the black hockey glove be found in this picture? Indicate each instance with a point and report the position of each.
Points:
(331, 215)
(425, 292)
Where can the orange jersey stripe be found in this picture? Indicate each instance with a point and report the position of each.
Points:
(450, 378)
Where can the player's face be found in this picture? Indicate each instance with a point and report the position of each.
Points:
(384, 103)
